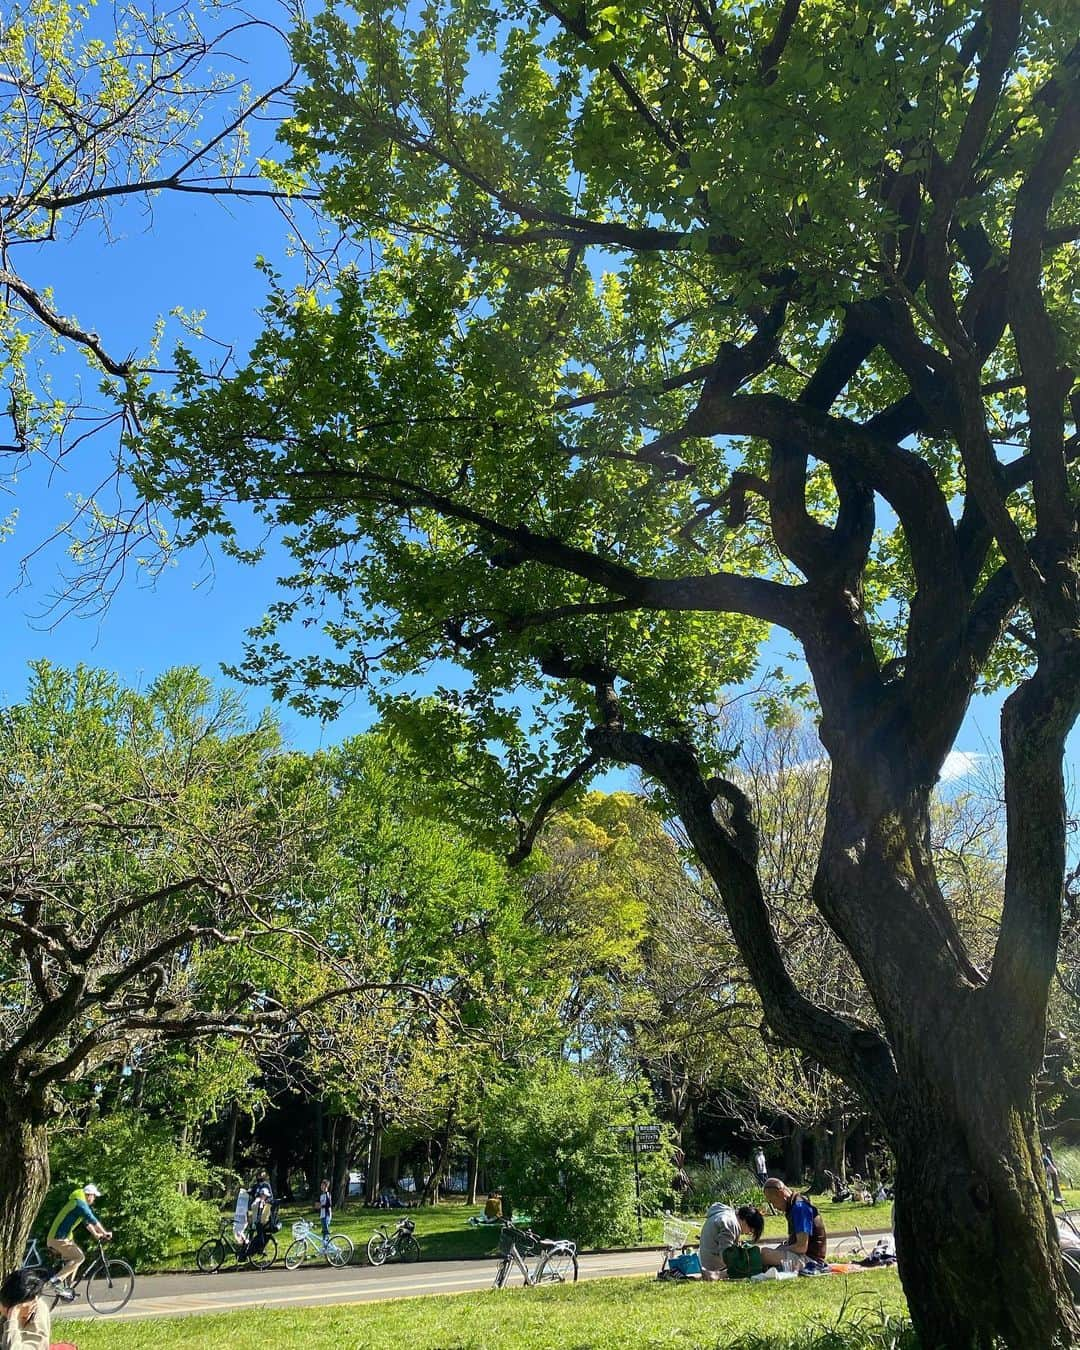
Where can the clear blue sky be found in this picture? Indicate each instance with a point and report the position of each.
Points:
(199, 255)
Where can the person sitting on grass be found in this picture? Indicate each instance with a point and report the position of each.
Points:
(25, 1322)
(806, 1240)
(723, 1228)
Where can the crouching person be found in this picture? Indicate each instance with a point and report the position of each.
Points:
(723, 1229)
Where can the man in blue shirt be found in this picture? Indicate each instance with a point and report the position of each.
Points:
(60, 1243)
(806, 1240)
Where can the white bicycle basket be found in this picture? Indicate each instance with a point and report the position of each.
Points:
(301, 1229)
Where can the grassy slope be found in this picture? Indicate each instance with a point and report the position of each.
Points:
(599, 1315)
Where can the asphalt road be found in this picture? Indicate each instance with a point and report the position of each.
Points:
(229, 1291)
(233, 1290)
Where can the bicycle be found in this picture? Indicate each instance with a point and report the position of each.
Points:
(399, 1246)
(677, 1247)
(215, 1251)
(337, 1248)
(110, 1281)
(851, 1248)
(557, 1262)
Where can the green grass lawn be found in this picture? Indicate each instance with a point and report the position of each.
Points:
(445, 1235)
(624, 1314)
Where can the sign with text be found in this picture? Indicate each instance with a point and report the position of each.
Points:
(647, 1138)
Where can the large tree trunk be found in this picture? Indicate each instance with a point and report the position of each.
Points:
(793, 1156)
(342, 1154)
(979, 1257)
(229, 1159)
(474, 1169)
(374, 1160)
(24, 1175)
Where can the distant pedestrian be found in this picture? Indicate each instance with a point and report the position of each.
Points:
(760, 1170)
(326, 1208)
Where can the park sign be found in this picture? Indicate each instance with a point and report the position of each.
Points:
(647, 1138)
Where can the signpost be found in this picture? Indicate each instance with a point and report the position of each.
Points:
(643, 1139)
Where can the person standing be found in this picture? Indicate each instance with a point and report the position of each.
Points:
(759, 1165)
(25, 1320)
(60, 1242)
(326, 1208)
(806, 1240)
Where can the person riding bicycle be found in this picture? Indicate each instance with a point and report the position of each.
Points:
(59, 1242)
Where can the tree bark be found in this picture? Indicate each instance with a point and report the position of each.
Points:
(793, 1156)
(374, 1160)
(24, 1174)
(474, 1168)
(978, 1248)
(342, 1152)
(229, 1159)
(374, 1163)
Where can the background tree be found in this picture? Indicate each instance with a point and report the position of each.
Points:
(145, 848)
(677, 327)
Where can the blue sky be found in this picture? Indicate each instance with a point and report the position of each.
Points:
(200, 255)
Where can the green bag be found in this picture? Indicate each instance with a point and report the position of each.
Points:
(742, 1261)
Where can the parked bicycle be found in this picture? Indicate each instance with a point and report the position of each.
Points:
(216, 1251)
(400, 1245)
(556, 1259)
(110, 1282)
(337, 1248)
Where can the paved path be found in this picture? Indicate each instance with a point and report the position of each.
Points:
(233, 1290)
(177, 1295)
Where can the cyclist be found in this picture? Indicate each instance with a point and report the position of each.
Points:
(59, 1242)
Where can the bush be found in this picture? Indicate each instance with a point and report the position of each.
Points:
(140, 1169)
(732, 1184)
(558, 1137)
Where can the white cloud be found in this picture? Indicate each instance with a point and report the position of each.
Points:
(961, 764)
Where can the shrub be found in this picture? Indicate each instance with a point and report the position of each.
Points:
(732, 1184)
(558, 1144)
(140, 1169)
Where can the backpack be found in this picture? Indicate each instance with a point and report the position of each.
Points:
(742, 1262)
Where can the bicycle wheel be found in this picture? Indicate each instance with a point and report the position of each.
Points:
(559, 1266)
(110, 1285)
(296, 1253)
(377, 1249)
(211, 1256)
(264, 1259)
(408, 1249)
(1071, 1218)
(338, 1250)
(848, 1249)
(501, 1274)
